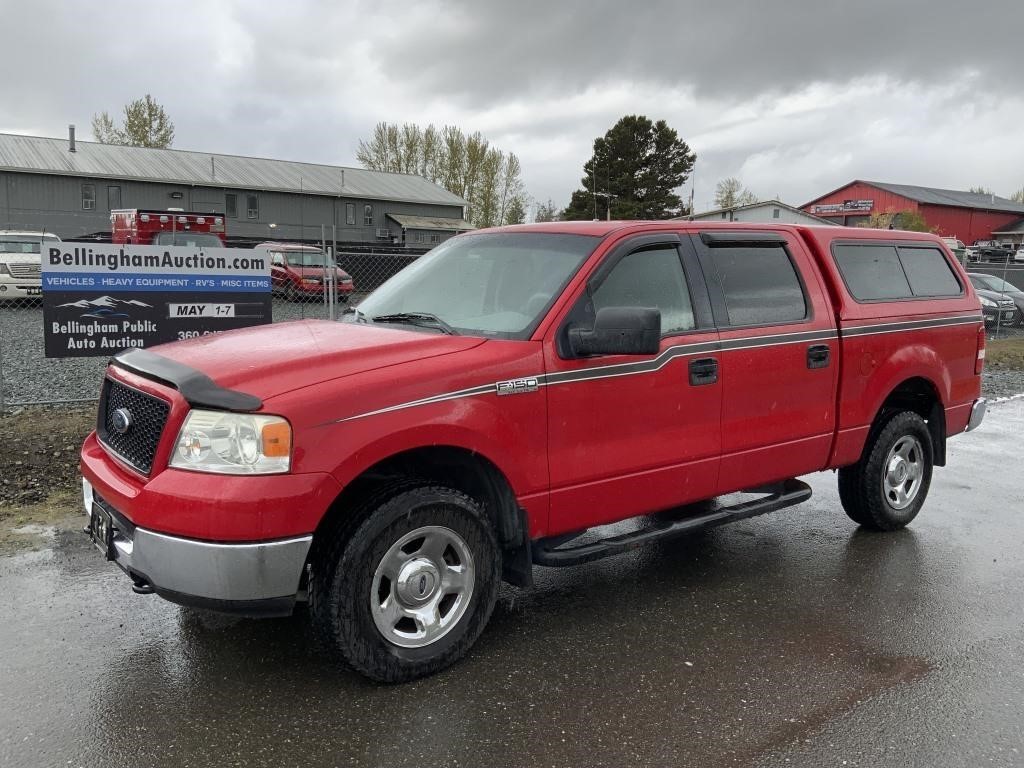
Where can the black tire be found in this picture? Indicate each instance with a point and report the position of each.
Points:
(341, 584)
(863, 489)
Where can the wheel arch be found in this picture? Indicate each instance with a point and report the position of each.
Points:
(920, 395)
(454, 466)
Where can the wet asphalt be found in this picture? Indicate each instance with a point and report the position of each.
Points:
(793, 639)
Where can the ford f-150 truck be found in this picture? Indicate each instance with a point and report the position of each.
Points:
(513, 389)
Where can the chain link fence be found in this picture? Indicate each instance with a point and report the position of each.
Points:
(28, 377)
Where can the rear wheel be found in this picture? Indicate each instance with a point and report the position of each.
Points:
(412, 588)
(887, 488)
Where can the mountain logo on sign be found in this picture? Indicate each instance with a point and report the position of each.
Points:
(105, 306)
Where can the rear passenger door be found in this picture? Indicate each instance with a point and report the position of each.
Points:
(778, 355)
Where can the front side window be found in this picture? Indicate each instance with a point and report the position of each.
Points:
(760, 285)
(88, 197)
(494, 285)
(649, 278)
(367, 215)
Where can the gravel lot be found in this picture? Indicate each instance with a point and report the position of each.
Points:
(28, 376)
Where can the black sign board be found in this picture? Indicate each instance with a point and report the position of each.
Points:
(99, 300)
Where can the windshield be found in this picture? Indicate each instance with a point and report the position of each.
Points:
(24, 243)
(496, 285)
(303, 258)
(993, 284)
(192, 239)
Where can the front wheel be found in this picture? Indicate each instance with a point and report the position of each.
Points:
(887, 488)
(410, 591)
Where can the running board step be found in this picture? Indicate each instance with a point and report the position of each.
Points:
(786, 494)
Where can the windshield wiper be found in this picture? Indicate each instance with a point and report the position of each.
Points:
(424, 319)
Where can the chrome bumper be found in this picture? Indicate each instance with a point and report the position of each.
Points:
(230, 577)
(977, 413)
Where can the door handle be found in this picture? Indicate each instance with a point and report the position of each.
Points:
(703, 370)
(817, 356)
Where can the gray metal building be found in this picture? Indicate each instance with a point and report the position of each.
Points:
(69, 188)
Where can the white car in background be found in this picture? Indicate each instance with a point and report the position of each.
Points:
(21, 263)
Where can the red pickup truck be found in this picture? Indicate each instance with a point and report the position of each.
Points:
(514, 388)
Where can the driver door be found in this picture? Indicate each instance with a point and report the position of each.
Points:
(631, 434)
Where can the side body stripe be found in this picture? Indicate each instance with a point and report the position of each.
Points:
(684, 350)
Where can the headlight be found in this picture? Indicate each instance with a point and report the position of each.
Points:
(233, 443)
(986, 302)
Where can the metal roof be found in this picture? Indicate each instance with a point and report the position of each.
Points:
(37, 154)
(749, 206)
(936, 196)
(430, 222)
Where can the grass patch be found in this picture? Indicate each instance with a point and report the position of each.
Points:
(1005, 354)
(33, 525)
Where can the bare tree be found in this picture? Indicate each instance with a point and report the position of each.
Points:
(489, 180)
(730, 193)
(146, 124)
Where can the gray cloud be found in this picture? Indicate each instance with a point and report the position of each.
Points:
(794, 97)
(486, 52)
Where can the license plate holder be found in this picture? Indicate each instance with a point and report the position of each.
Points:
(34, 291)
(101, 530)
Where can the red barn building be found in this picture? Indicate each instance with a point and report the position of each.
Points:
(969, 216)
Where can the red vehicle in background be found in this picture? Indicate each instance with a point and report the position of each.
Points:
(170, 227)
(298, 271)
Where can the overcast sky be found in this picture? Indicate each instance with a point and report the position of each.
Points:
(794, 98)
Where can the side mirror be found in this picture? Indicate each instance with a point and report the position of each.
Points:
(619, 331)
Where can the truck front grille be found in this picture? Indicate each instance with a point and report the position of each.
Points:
(145, 415)
(24, 271)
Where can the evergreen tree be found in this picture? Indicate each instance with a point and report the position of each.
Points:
(636, 168)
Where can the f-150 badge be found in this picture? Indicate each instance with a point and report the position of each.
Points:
(517, 386)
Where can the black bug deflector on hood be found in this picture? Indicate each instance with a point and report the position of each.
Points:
(196, 387)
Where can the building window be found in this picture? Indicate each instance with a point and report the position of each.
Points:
(252, 207)
(724, 214)
(88, 197)
(350, 214)
(775, 213)
(367, 215)
(435, 237)
(113, 198)
(231, 205)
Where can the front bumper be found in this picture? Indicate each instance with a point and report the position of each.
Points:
(248, 578)
(23, 290)
(1001, 315)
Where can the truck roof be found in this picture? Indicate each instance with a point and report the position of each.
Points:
(820, 232)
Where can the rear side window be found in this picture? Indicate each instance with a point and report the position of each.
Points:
(875, 272)
(760, 285)
(872, 272)
(928, 272)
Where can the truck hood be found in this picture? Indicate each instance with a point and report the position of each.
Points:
(269, 360)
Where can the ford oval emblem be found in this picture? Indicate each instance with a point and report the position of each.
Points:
(121, 420)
